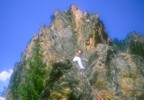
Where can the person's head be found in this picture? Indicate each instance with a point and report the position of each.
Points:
(79, 52)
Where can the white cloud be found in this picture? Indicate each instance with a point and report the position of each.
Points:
(2, 98)
(4, 75)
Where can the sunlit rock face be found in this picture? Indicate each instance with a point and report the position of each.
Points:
(108, 75)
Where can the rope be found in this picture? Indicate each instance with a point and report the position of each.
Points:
(96, 94)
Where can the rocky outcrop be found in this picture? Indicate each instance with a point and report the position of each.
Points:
(108, 74)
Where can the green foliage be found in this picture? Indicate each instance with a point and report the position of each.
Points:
(56, 86)
(15, 80)
(120, 45)
(134, 43)
(35, 75)
(137, 48)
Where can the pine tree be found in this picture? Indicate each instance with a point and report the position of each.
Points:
(34, 79)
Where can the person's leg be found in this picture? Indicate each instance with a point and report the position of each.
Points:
(80, 63)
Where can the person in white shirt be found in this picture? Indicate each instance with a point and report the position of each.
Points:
(78, 59)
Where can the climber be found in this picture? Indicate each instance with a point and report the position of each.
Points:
(78, 59)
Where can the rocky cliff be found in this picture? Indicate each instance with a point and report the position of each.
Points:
(46, 70)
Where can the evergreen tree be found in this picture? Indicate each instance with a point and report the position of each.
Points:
(137, 48)
(35, 74)
(121, 45)
(136, 44)
(15, 80)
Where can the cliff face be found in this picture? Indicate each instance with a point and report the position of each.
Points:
(108, 74)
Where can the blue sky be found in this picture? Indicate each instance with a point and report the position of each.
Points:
(22, 19)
